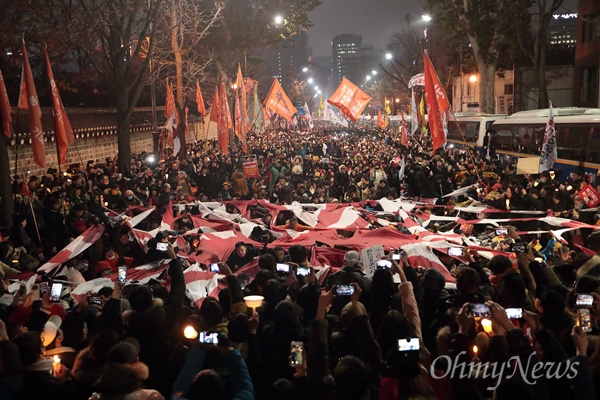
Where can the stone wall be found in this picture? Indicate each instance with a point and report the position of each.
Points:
(91, 144)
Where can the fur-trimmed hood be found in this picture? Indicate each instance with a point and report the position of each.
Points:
(121, 379)
(592, 262)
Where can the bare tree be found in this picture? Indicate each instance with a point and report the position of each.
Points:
(117, 38)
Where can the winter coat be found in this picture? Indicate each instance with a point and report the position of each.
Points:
(239, 185)
(125, 382)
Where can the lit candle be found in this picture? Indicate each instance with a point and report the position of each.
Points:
(475, 350)
(56, 364)
(508, 204)
(487, 325)
(190, 333)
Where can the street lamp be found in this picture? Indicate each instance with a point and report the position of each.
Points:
(473, 78)
(397, 100)
(373, 72)
(368, 77)
(426, 17)
(305, 69)
(310, 80)
(316, 88)
(388, 56)
(278, 20)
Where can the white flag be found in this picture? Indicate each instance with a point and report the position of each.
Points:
(414, 119)
(402, 168)
(311, 124)
(331, 116)
(549, 152)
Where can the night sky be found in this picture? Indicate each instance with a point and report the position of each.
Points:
(375, 20)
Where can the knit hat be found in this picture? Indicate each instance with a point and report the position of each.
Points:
(128, 193)
(50, 329)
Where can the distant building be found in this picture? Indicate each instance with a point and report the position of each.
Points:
(285, 61)
(587, 55)
(562, 30)
(343, 47)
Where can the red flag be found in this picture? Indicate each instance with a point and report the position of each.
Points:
(4, 108)
(404, 138)
(200, 100)
(237, 117)
(169, 102)
(437, 104)
(223, 126)
(380, 120)
(62, 126)
(22, 103)
(171, 115)
(35, 113)
(214, 111)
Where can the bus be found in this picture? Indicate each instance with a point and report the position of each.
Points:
(577, 134)
(473, 125)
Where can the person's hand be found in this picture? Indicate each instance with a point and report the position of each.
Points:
(464, 319)
(325, 301)
(499, 316)
(253, 323)
(580, 339)
(357, 292)
(302, 368)
(468, 256)
(63, 374)
(116, 293)
(224, 269)
(290, 279)
(533, 320)
(312, 276)
(46, 303)
(512, 233)
(3, 334)
(28, 300)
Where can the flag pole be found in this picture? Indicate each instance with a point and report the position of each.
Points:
(35, 222)
(15, 135)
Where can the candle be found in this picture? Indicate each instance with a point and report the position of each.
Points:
(475, 350)
(487, 325)
(253, 301)
(507, 204)
(56, 364)
(190, 333)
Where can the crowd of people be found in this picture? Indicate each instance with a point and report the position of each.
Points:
(398, 334)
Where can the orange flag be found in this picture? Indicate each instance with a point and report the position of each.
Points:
(200, 100)
(380, 120)
(223, 126)
(22, 103)
(404, 137)
(4, 108)
(437, 104)
(35, 112)
(214, 111)
(244, 114)
(237, 116)
(349, 99)
(278, 102)
(62, 126)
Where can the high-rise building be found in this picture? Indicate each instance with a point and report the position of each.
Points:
(587, 55)
(343, 47)
(285, 61)
(562, 30)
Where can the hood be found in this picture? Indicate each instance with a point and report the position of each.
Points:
(118, 379)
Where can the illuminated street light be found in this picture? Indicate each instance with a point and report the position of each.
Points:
(305, 69)
(397, 100)
(278, 20)
(310, 80)
(316, 88)
(473, 78)
(368, 77)
(373, 72)
(318, 92)
(426, 18)
(234, 86)
(388, 56)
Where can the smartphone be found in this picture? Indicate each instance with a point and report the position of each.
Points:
(160, 246)
(95, 300)
(384, 264)
(409, 344)
(518, 247)
(302, 271)
(214, 267)
(55, 292)
(480, 310)
(455, 251)
(514, 313)
(396, 256)
(17, 253)
(296, 353)
(43, 288)
(122, 274)
(584, 300)
(501, 231)
(344, 290)
(283, 267)
(209, 337)
(584, 320)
